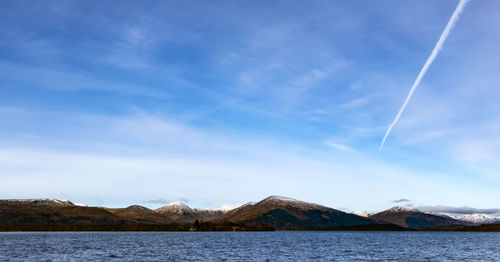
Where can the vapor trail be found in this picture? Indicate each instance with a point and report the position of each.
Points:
(435, 51)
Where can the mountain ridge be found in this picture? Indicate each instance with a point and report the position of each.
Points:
(277, 211)
(285, 212)
(410, 217)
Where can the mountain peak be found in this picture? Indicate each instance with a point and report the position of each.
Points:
(397, 209)
(178, 204)
(282, 202)
(220, 209)
(406, 216)
(281, 198)
(182, 213)
(280, 211)
(176, 207)
(40, 202)
(139, 208)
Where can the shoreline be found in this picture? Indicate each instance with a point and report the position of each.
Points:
(227, 227)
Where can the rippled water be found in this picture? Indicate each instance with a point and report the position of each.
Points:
(249, 246)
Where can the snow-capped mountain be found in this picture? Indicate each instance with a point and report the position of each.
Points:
(39, 202)
(413, 218)
(223, 208)
(182, 213)
(276, 211)
(402, 209)
(468, 219)
(283, 212)
(177, 208)
(478, 218)
(362, 213)
(287, 201)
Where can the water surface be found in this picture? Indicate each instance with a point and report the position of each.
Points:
(249, 246)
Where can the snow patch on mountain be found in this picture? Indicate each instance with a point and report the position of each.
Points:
(181, 208)
(223, 208)
(41, 202)
(282, 198)
(362, 213)
(408, 209)
(398, 209)
(177, 207)
(478, 218)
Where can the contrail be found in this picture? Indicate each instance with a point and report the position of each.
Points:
(435, 51)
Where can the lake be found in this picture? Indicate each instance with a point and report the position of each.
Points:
(249, 246)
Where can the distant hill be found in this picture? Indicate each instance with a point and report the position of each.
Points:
(478, 219)
(181, 213)
(273, 212)
(140, 214)
(51, 211)
(45, 202)
(283, 212)
(413, 218)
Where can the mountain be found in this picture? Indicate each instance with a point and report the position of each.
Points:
(140, 214)
(181, 213)
(275, 211)
(284, 212)
(413, 218)
(478, 219)
(178, 212)
(51, 211)
(47, 202)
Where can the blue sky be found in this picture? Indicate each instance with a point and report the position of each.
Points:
(224, 102)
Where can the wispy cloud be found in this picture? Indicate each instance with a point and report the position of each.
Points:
(72, 80)
(339, 146)
(475, 151)
(356, 103)
(158, 201)
(164, 156)
(236, 97)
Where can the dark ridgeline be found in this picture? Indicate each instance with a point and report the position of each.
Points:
(413, 218)
(272, 213)
(57, 215)
(51, 211)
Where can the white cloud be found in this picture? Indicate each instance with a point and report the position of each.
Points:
(72, 80)
(143, 156)
(339, 146)
(160, 201)
(356, 103)
(476, 151)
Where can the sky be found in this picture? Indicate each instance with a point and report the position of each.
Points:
(218, 103)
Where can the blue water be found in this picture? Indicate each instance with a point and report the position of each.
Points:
(249, 246)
